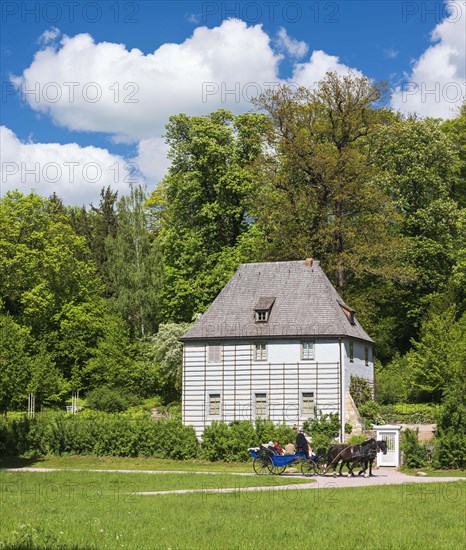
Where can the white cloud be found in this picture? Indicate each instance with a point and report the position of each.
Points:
(309, 73)
(152, 159)
(139, 92)
(436, 86)
(48, 36)
(294, 48)
(104, 87)
(75, 173)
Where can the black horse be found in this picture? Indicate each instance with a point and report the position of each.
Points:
(350, 455)
(381, 445)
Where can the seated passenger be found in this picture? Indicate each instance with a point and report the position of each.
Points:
(290, 449)
(278, 448)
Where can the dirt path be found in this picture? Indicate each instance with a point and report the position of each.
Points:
(383, 476)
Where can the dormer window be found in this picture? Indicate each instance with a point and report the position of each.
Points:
(348, 312)
(263, 308)
(262, 316)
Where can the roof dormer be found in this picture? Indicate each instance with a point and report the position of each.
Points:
(263, 308)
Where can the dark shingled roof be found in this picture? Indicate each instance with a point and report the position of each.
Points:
(306, 304)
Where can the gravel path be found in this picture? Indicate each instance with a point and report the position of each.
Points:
(382, 476)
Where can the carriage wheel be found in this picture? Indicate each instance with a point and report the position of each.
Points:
(262, 465)
(277, 470)
(309, 468)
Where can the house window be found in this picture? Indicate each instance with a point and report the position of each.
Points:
(214, 404)
(262, 316)
(307, 350)
(261, 405)
(214, 353)
(260, 352)
(351, 352)
(307, 404)
(366, 356)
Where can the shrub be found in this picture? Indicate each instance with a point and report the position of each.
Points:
(360, 390)
(110, 400)
(100, 434)
(415, 454)
(370, 412)
(450, 437)
(357, 439)
(323, 429)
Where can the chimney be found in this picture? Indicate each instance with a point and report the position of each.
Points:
(309, 262)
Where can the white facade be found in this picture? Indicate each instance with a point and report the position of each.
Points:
(280, 379)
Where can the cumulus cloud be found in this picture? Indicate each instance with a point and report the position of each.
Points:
(91, 86)
(152, 159)
(309, 73)
(103, 87)
(48, 36)
(436, 86)
(75, 173)
(295, 48)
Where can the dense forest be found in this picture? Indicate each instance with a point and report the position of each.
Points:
(97, 296)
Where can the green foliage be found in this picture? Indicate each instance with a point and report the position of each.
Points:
(201, 207)
(415, 454)
(100, 434)
(360, 390)
(164, 353)
(450, 436)
(230, 442)
(110, 400)
(135, 265)
(323, 429)
(390, 382)
(370, 411)
(357, 439)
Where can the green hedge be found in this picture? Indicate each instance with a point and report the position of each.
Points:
(406, 413)
(132, 435)
(100, 434)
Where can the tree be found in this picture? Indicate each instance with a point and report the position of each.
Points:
(43, 263)
(319, 196)
(201, 208)
(15, 363)
(165, 351)
(135, 265)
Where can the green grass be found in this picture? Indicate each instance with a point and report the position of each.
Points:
(97, 510)
(118, 463)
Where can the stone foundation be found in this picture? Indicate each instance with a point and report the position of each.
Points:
(352, 417)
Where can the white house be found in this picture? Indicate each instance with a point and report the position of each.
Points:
(276, 342)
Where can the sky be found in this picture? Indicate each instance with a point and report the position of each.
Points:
(88, 86)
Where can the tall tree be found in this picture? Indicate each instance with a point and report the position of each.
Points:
(319, 195)
(135, 265)
(201, 207)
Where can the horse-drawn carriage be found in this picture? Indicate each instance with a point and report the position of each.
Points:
(268, 461)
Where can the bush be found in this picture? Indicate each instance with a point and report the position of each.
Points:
(415, 454)
(100, 434)
(110, 400)
(390, 385)
(450, 437)
(323, 429)
(360, 390)
(408, 413)
(231, 442)
(370, 412)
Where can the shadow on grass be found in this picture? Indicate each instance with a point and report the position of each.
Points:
(20, 462)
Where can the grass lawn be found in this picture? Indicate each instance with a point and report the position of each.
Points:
(117, 463)
(97, 510)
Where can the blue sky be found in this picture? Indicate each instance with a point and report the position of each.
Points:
(149, 60)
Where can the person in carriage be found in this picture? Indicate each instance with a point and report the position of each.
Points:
(303, 445)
